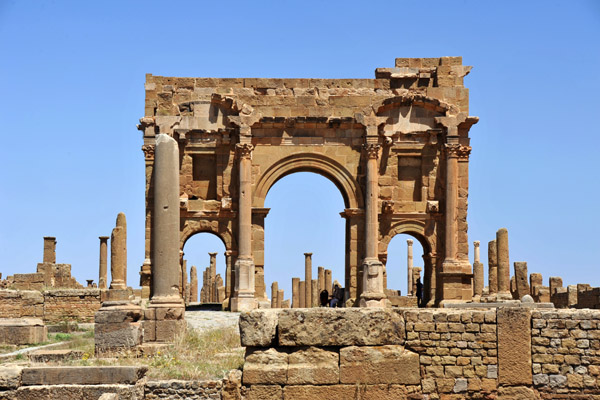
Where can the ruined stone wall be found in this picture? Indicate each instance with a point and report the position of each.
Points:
(71, 305)
(510, 352)
(52, 306)
(21, 304)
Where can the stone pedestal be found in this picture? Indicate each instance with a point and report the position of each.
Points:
(117, 327)
(373, 293)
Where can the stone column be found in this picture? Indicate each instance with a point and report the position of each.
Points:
(228, 274)
(328, 281)
(321, 278)
(492, 268)
(184, 281)
(243, 299)
(409, 267)
(456, 274)
(280, 298)
(49, 250)
(315, 293)
(373, 294)
(103, 274)
(522, 286)
(193, 284)
(451, 233)
(503, 264)
(274, 294)
(167, 307)
(295, 292)
(118, 254)
(213, 276)
(308, 278)
(302, 290)
(477, 272)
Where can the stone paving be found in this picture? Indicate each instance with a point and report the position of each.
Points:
(207, 320)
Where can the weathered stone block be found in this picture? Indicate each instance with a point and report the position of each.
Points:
(10, 377)
(514, 346)
(340, 327)
(22, 331)
(313, 366)
(323, 392)
(265, 366)
(264, 392)
(117, 335)
(258, 327)
(81, 375)
(379, 364)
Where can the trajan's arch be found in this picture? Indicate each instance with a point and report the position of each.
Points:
(396, 146)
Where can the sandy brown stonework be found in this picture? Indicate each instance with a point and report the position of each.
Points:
(385, 142)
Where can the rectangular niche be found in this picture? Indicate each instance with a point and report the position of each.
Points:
(204, 176)
(410, 180)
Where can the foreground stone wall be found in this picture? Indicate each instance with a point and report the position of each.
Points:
(509, 352)
(52, 306)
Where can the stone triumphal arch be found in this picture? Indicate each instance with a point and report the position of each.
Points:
(396, 146)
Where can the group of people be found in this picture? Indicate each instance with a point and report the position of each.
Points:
(337, 297)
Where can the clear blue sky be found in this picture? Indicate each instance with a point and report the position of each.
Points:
(72, 81)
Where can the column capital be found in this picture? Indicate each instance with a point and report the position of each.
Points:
(308, 254)
(409, 242)
(455, 150)
(476, 243)
(372, 150)
(244, 150)
(148, 150)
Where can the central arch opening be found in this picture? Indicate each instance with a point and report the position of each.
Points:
(304, 217)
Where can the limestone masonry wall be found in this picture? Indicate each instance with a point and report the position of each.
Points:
(509, 352)
(52, 306)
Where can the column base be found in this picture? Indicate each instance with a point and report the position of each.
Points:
(240, 304)
(374, 295)
(164, 319)
(117, 327)
(456, 280)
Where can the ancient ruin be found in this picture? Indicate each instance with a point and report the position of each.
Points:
(396, 146)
